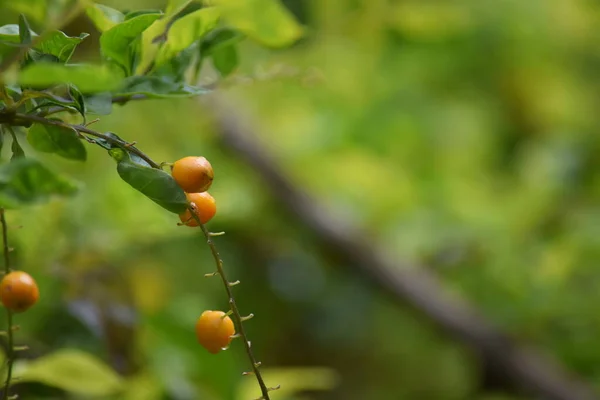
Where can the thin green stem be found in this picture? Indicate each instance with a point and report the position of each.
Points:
(9, 330)
(83, 129)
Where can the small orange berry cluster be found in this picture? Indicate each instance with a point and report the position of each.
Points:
(18, 291)
(195, 175)
(214, 329)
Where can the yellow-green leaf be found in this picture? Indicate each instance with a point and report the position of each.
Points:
(186, 31)
(104, 17)
(74, 371)
(88, 78)
(266, 21)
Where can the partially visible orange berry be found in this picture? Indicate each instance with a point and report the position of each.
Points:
(204, 207)
(214, 330)
(193, 174)
(18, 291)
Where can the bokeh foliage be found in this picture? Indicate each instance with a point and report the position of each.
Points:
(461, 135)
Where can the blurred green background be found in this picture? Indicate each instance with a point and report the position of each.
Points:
(459, 134)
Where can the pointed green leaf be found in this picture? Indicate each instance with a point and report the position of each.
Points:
(88, 78)
(104, 17)
(115, 41)
(57, 139)
(15, 147)
(225, 59)
(220, 38)
(156, 184)
(24, 30)
(154, 36)
(185, 31)
(60, 45)
(26, 181)
(73, 371)
(266, 21)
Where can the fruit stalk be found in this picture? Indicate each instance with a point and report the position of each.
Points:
(9, 330)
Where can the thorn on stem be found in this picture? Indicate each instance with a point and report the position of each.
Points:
(257, 364)
(233, 283)
(274, 388)
(246, 373)
(247, 317)
(210, 275)
(15, 328)
(216, 233)
(20, 348)
(235, 336)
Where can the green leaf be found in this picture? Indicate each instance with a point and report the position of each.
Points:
(78, 100)
(132, 14)
(185, 31)
(154, 35)
(10, 38)
(26, 181)
(158, 87)
(15, 147)
(88, 78)
(156, 184)
(24, 30)
(266, 21)
(60, 45)
(104, 17)
(73, 371)
(57, 139)
(220, 38)
(115, 42)
(100, 103)
(225, 59)
(174, 6)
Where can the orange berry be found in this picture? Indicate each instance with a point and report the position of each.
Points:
(193, 174)
(204, 206)
(18, 291)
(214, 330)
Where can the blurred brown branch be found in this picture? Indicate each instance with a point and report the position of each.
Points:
(514, 367)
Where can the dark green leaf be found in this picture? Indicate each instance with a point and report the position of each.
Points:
(185, 31)
(24, 30)
(158, 87)
(220, 38)
(266, 21)
(104, 17)
(57, 139)
(88, 78)
(156, 184)
(26, 181)
(100, 103)
(58, 44)
(15, 147)
(78, 100)
(115, 41)
(225, 59)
